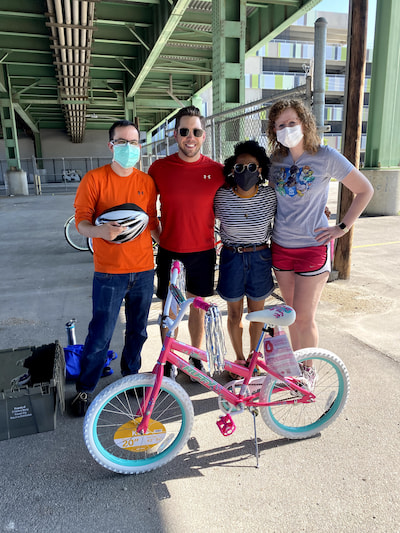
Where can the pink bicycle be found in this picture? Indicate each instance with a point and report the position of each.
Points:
(141, 422)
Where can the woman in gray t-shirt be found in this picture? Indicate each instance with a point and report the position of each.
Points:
(300, 172)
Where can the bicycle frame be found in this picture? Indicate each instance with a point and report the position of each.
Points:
(240, 400)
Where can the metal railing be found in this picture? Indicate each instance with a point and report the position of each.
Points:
(61, 170)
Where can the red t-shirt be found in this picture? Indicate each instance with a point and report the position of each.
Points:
(187, 193)
(101, 189)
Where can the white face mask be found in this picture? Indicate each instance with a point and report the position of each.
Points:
(290, 137)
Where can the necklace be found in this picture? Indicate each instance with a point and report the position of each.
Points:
(245, 197)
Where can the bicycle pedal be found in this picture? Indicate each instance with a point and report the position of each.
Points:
(226, 425)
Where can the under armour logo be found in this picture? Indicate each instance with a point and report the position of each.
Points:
(207, 176)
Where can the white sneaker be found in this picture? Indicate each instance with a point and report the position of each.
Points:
(308, 378)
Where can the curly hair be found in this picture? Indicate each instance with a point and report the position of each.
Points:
(251, 148)
(311, 138)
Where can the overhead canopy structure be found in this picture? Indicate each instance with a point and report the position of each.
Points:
(77, 64)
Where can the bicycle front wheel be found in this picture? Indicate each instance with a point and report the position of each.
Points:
(111, 421)
(73, 237)
(302, 420)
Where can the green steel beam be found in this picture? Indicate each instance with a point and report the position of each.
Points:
(272, 18)
(170, 25)
(229, 32)
(3, 80)
(8, 122)
(383, 139)
(26, 117)
(161, 104)
(38, 149)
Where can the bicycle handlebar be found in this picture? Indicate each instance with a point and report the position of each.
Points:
(199, 303)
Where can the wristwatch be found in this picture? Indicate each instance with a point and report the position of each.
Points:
(343, 227)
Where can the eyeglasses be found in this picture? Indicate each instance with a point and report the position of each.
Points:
(239, 167)
(184, 132)
(124, 142)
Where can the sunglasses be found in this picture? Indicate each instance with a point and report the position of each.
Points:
(184, 132)
(239, 167)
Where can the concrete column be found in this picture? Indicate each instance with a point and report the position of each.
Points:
(17, 182)
(386, 199)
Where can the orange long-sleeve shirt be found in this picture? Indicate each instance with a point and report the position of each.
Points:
(101, 189)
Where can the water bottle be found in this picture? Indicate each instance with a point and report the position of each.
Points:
(70, 327)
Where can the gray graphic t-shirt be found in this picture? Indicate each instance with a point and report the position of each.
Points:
(302, 193)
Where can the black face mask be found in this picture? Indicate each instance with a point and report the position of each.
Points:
(246, 180)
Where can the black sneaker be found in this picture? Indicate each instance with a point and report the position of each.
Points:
(80, 403)
(170, 370)
(197, 364)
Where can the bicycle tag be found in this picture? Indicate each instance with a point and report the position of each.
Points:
(279, 356)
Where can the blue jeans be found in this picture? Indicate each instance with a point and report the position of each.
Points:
(109, 290)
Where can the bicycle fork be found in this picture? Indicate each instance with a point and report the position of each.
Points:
(149, 399)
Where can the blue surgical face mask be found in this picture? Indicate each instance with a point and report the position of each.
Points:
(246, 180)
(127, 156)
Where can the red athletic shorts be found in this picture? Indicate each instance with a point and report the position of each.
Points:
(308, 261)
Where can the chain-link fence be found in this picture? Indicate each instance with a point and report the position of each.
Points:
(226, 129)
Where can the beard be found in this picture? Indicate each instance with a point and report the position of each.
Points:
(189, 152)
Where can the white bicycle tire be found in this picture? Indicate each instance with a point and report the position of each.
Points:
(114, 406)
(301, 421)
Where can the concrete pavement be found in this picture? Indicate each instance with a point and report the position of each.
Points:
(347, 479)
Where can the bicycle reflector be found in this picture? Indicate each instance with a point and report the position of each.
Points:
(131, 216)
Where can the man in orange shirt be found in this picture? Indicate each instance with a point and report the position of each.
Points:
(122, 270)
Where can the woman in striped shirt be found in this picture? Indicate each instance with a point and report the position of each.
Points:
(245, 207)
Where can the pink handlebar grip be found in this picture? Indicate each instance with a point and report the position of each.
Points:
(199, 303)
(175, 265)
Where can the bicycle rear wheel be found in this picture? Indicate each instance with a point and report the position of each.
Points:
(73, 237)
(111, 421)
(303, 420)
(90, 245)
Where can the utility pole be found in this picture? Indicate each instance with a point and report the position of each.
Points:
(352, 124)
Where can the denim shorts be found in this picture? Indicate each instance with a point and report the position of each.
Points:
(245, 274)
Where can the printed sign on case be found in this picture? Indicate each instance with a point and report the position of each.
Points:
(280, 357)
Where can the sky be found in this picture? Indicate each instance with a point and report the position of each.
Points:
(342, 6)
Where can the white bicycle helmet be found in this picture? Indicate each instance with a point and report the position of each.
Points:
(129, 215)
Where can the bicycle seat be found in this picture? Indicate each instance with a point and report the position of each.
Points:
(274, 315)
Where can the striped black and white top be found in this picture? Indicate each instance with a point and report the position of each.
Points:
(245, 221)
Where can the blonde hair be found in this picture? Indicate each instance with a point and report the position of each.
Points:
(311, 138)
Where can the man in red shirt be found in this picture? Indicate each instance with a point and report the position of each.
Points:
(123, 271)
(187, 182)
